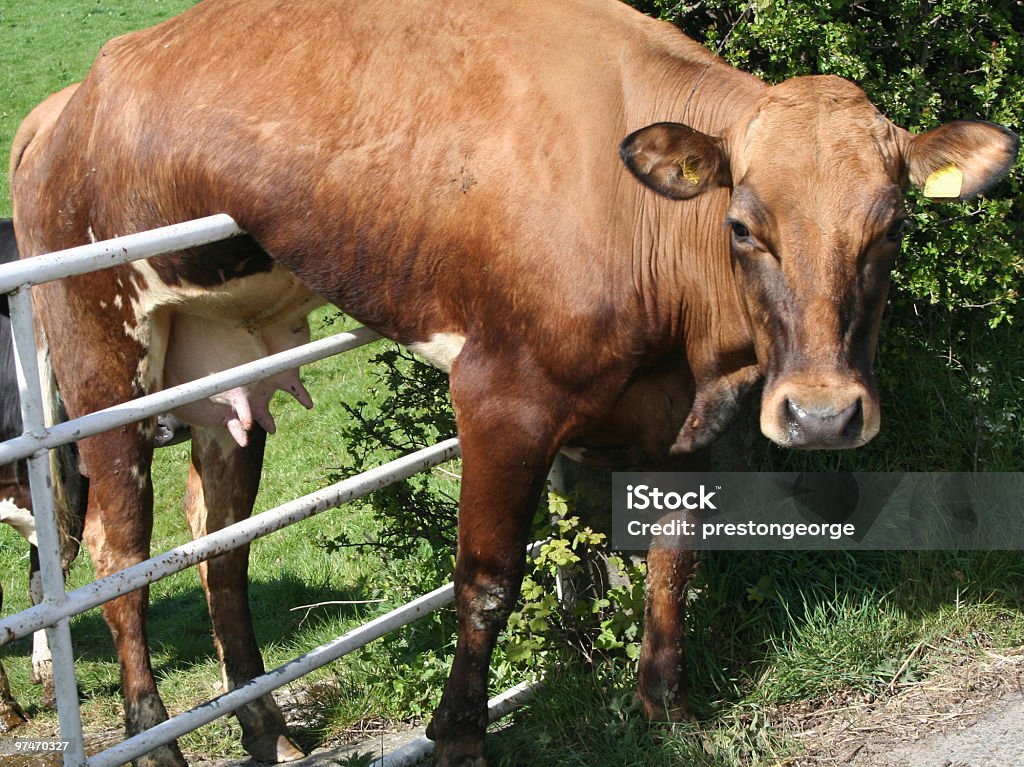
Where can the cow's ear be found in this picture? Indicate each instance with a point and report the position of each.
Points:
(960, 159)
(675, 160)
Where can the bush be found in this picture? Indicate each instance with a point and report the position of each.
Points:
(413, 411)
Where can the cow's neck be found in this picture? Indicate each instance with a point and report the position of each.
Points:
(681, 255)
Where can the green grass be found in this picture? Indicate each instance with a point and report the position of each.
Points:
(45, 46)
(769, 630)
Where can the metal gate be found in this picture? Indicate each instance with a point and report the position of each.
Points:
(57, 607)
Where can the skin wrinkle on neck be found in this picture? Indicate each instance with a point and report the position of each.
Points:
(703, 92)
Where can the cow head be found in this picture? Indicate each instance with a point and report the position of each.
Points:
(815, 222)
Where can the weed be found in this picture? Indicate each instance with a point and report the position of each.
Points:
(357, 760)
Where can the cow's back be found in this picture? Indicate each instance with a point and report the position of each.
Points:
(409, 144)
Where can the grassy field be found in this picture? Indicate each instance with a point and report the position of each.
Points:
(766, 632)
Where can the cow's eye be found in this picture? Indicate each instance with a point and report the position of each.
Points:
(739, 231)
(896, 229)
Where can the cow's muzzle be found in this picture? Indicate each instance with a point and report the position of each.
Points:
(819, 416)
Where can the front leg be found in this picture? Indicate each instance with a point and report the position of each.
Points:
(662, 667)
(509, 440)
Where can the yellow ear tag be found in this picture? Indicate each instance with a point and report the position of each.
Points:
(689, 172)
(946, 182)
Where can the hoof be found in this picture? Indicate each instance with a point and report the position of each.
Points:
(469, 761)
(660, 710)
(459, 740)
(42, 675)
(273, 749)
(48, 695)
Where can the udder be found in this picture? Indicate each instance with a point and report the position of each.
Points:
(199, 346)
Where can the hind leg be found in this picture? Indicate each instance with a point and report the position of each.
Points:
(42, 660)
(118, 529)
(222, 485)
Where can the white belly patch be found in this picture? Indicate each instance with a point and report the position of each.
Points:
(18, 518)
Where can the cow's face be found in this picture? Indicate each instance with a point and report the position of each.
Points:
(814, 223)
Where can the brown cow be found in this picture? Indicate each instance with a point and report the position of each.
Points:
(604, 232)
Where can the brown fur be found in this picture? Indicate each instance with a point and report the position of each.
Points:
(454, 168)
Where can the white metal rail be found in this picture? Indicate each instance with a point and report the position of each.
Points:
(57, 608)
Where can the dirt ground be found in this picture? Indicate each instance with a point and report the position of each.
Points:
(968, 714)
(996, 739)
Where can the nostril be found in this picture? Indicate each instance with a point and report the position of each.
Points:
(795, 420)
(822, 425)
(854, 420)
(795, 412)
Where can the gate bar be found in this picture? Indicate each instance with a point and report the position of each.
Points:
(119, 250)
(288, 672)
(57, 606)
(168, 399)
(184, 556)
(15, 279)
(58, 633)
(282, 675)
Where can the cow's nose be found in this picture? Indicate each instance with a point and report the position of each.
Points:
(822, 425)
(829, 412)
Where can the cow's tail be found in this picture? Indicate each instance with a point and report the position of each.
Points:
(70, 488)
